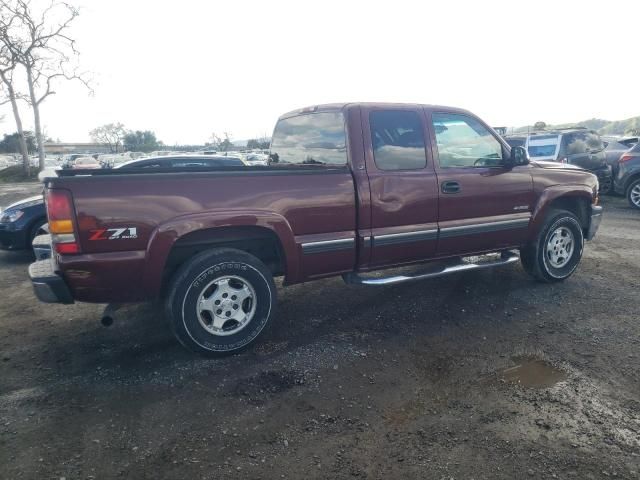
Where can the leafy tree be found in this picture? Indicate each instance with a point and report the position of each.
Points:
(11, 143)
(141, 141)
(539, 126)
(111, 134)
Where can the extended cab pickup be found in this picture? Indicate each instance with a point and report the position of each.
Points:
(349, 189)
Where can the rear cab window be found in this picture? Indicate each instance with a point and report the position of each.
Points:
(309, 139)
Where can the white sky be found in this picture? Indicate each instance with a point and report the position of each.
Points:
(185, 69)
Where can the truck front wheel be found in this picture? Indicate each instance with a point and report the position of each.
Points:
(557, 249)
(220, 301)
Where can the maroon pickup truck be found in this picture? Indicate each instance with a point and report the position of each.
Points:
(349, 189)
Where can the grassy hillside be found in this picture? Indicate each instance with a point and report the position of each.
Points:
(630, 126)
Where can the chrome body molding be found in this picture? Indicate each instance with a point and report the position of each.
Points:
(328, 246)
(415, 236)
(488, 227)
(408, 237)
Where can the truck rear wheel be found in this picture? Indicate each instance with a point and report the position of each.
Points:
(220, 301)
(557, 249)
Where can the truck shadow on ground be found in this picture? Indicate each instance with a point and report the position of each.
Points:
(325, 312)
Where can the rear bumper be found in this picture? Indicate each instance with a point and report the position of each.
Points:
(42, 247)
(48, 286)
(594, 223)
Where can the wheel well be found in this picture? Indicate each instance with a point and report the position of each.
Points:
(34, 222)
(632, 178)
(578, 206)
(257, 241)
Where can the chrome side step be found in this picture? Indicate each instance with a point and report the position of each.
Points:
(505, 258)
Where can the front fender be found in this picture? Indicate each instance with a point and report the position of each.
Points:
(166, 234)
(551, 194)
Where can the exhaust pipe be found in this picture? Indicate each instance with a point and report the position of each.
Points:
(109, 314)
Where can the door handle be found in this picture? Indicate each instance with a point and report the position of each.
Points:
(450, 187)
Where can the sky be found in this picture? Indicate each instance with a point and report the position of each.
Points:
(189, 68)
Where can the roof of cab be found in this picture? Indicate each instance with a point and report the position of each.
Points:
(333, 107)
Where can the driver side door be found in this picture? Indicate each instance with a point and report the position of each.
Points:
(484, 204)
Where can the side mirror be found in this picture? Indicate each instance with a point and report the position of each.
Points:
(519, 156)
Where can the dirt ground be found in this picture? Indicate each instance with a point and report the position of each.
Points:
(401, 382)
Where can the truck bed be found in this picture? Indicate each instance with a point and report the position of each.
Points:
(132, 219)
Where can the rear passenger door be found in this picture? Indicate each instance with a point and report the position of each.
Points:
(404, 188)
(484, 204)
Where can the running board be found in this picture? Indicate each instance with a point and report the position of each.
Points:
(505, 258)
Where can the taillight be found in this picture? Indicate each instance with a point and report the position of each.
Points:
(625, 158)
(61, 225)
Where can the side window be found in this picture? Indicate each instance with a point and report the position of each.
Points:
(310, 139)
(398, 141)
(188, 163)
(582, 143)
(464, 142)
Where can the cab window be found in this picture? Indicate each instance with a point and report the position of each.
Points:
(462, 141)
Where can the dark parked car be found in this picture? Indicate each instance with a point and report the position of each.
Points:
(350, 188)
(615, 147)
(627, 180)
(23, 220)
(575, 146)
(20, 222)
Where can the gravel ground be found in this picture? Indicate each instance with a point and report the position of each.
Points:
(481, 375)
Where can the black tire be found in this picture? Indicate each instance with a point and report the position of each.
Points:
(195, 284)
(537, 257)
(36, 229)
(631, 194)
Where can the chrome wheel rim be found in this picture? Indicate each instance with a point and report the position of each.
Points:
(635, 195)
(226, 305)
(560, 247)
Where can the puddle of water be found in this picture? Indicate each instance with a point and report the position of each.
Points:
(533, 373)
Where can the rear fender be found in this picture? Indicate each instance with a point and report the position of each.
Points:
(165, 235)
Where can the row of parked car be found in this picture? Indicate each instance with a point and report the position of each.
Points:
(22, 221)
(614, 160)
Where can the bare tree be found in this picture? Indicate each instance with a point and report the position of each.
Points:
(40, 43)
(111, 134)
(8, 65)
(223, 144)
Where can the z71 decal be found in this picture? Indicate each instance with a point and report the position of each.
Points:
(113, 233)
